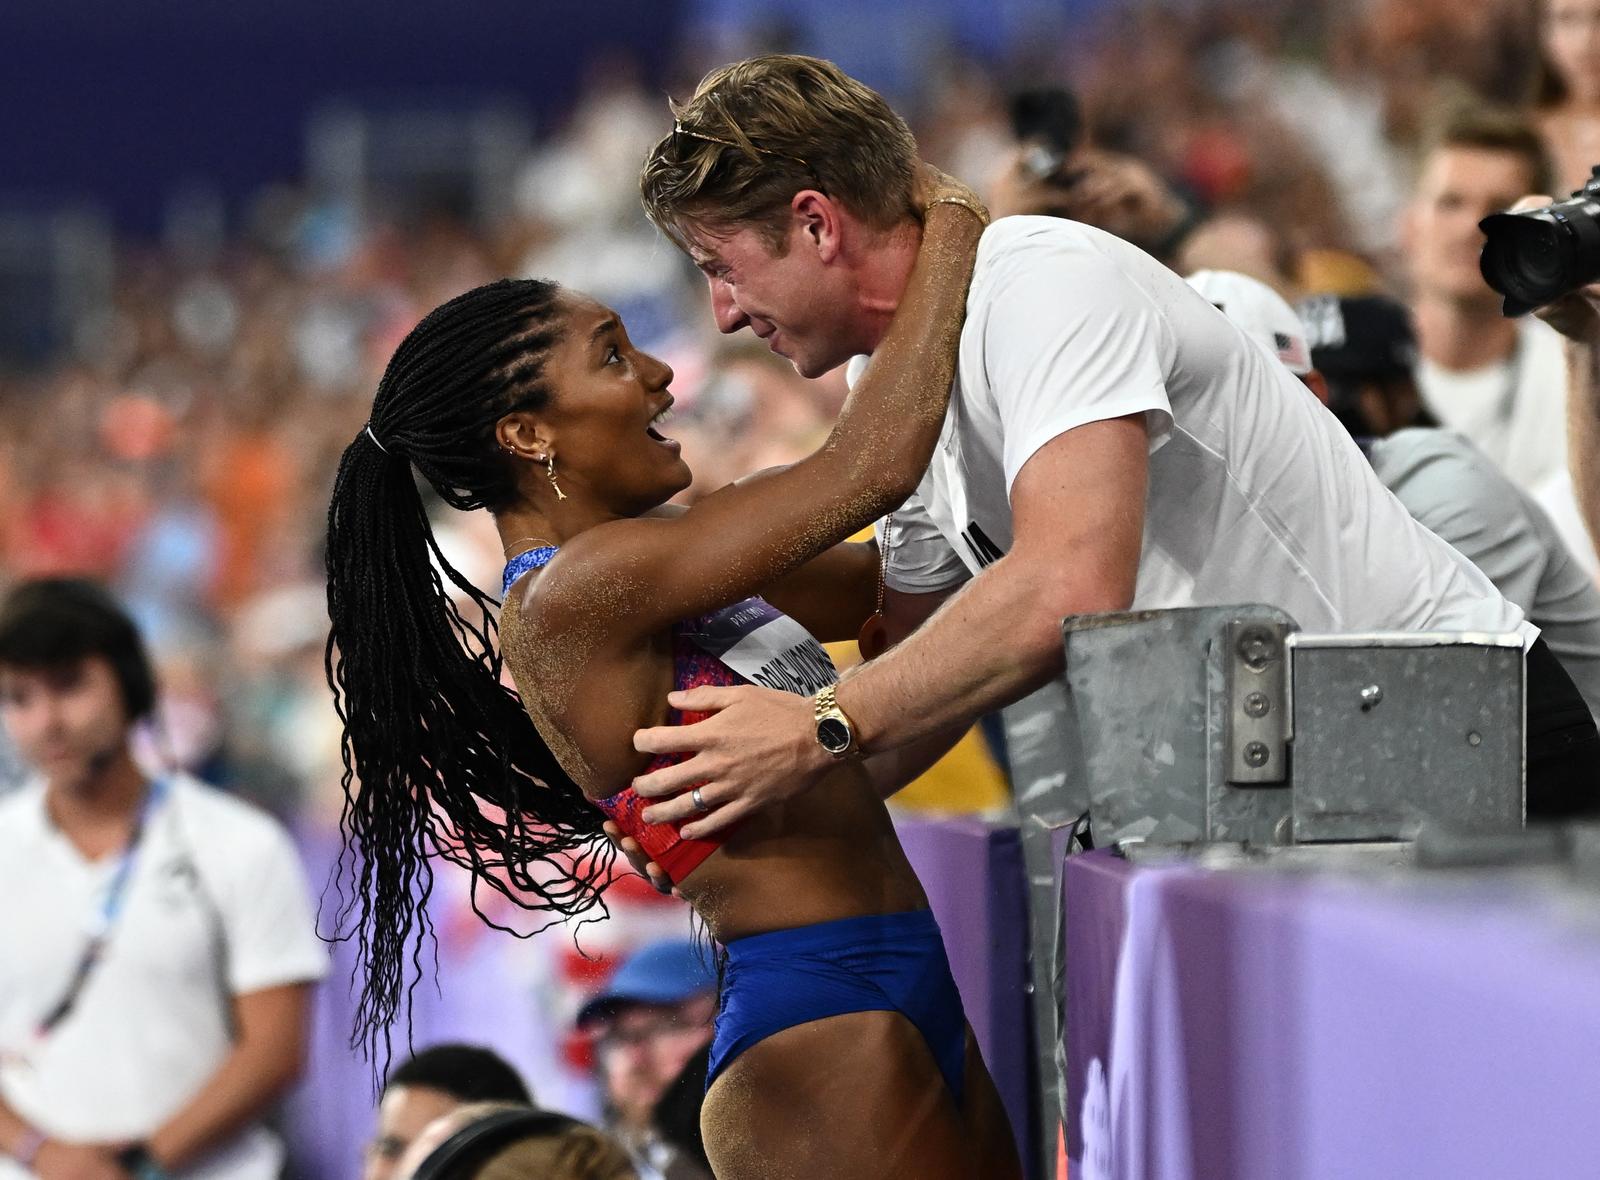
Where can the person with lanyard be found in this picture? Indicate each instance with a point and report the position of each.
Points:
(838, 1008)
(157, 939)
(1113, 443)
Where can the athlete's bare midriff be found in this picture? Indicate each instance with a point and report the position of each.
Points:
(831, 853)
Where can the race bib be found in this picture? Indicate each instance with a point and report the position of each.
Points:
(764, 646)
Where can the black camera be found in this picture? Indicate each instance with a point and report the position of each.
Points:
(1538, 255)
(1049, 122)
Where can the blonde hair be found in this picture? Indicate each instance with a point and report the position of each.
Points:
(761, 130)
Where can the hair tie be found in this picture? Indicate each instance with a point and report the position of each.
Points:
(368, 429)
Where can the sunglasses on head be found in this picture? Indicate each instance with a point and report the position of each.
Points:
(749, 145)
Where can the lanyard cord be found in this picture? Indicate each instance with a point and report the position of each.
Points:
(106, 922)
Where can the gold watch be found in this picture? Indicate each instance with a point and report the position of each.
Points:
(835, 732)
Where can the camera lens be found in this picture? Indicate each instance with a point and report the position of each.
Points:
(1542, 265)
(1538, 255)
(1525, 260)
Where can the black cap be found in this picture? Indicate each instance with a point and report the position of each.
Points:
(1364, 337)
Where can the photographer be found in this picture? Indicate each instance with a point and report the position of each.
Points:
(1577, 317)
(1054, 172)
(1120, 194)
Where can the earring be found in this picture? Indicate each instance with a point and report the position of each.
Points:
(550, 470)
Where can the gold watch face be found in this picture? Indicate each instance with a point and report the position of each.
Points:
(834, 735)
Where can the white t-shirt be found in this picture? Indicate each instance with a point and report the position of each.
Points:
(1256, 493)
(216, 905)
(1514, 411)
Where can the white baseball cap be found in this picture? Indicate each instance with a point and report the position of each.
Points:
(1260, 311)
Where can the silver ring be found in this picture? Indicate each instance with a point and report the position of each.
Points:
(699, 801)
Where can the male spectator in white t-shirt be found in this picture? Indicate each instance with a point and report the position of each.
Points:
(1502, 383)
(1112, 442)
(157, 940)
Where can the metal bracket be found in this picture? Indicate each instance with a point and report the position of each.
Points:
(1258, 706)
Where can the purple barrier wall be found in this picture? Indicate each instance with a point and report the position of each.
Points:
(973, 875)
(1093, 919)
(1261, 1026)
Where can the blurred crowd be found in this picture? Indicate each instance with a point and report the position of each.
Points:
(182, 447)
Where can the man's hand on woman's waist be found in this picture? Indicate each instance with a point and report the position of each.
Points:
(759, 748)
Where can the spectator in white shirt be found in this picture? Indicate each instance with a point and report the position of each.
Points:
(157, 939)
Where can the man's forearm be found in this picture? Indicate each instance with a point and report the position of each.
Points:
(891, 769)
(1583, 431)
(254, 1075)
(994, 642)
(238, 1094)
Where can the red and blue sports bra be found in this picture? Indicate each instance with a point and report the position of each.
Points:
(750, 642)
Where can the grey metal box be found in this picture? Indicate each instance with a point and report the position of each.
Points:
(1227, 723)
(1391, 729)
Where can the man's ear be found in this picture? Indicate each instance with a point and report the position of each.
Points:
(820, 222)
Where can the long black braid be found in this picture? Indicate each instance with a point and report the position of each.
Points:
(439, 758)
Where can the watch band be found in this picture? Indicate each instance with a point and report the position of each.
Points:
(830, 718)
(137, 1161)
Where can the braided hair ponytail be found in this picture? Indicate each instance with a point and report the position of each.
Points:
(440, 759)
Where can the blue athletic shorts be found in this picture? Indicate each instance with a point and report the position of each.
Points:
(878, 963)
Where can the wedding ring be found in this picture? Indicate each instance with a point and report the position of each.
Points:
(698, 800)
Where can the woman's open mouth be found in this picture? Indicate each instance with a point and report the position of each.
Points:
(656, 435)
